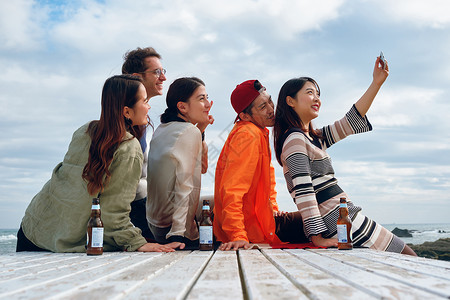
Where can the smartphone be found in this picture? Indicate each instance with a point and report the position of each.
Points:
(382, 60)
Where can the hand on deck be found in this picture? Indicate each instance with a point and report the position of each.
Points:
(155, 247)
(235, 245)
(319, 241)
(175, 245)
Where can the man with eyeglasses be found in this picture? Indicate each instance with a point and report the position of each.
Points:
(146, 63)
(246, 210)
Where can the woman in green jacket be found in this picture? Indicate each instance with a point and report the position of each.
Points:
(104, 158)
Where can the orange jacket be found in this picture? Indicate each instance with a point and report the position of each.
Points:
(245, 196)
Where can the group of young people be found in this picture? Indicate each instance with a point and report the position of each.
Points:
(150, 194)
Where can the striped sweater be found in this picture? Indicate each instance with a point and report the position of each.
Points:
(310, 176)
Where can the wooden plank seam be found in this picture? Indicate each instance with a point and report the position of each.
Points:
(337, 276)
(129, 267)
(48, 281)
(195, 278)
(300, 286)
(246, 292)
(441, 264)
(389, 277)
(405, 266)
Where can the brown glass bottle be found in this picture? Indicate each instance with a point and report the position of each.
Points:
(94, 245)
(206, 228)
(344, 227)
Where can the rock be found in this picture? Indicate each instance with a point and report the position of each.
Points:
(439, 249)
(401, 232)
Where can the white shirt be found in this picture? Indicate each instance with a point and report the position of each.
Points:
(174, 178)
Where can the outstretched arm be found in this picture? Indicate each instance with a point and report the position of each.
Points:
(379, 76)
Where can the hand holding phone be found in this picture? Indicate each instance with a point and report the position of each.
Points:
(382, 61)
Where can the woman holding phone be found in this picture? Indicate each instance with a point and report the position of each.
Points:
(301, 151)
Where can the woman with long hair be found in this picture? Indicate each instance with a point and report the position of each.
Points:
(175, 163)
(301, 151)
(104, 160)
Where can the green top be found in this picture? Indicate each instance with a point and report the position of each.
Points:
(57, 217)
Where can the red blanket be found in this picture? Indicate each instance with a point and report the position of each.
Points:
(294, 246)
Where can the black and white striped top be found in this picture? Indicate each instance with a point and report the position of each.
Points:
(310, 176)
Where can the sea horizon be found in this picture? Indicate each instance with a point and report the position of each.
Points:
(421, 233)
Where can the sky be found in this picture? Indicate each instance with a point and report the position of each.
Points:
(56, 55)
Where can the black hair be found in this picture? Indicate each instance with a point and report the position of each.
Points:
(180, 90)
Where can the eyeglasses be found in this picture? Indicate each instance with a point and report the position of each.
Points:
(157, 72)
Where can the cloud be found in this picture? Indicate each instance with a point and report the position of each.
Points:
(179, 24)
(396, 106)
(408, 106)
(19, 25)
(432, 13)
(406, 181)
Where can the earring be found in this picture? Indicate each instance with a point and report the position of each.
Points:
(128, 121)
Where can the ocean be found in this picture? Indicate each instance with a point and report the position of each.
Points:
(420, 233)
(8, 239)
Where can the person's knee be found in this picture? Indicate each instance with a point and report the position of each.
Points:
(407, 250)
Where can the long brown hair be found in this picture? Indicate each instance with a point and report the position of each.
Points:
(285, 116)
(108, 132)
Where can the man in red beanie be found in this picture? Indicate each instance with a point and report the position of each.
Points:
(245, 207)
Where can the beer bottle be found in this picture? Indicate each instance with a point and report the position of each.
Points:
(206, 228)
(94, 245)
(344, 227)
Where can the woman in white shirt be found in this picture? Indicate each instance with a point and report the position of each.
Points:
(177, 150)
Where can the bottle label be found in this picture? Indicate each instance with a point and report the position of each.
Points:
(205, 207)
(206, 234)
(95, 206)
(97, 237)
(342, 233)
(343, 205)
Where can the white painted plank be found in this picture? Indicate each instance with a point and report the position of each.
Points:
(61, 278)
(366, 280)
(25, 268)
(416, 264)
(409, 276)
(34, 259)
(313, 281)
(175, 281)
(316, 272)
(51, 261)
(220, 279)
(434, 264)
(6, 258)
(263, 280)
(126, 280)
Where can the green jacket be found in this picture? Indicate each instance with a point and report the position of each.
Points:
(57, 217)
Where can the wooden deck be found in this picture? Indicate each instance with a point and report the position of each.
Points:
(245, 274)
